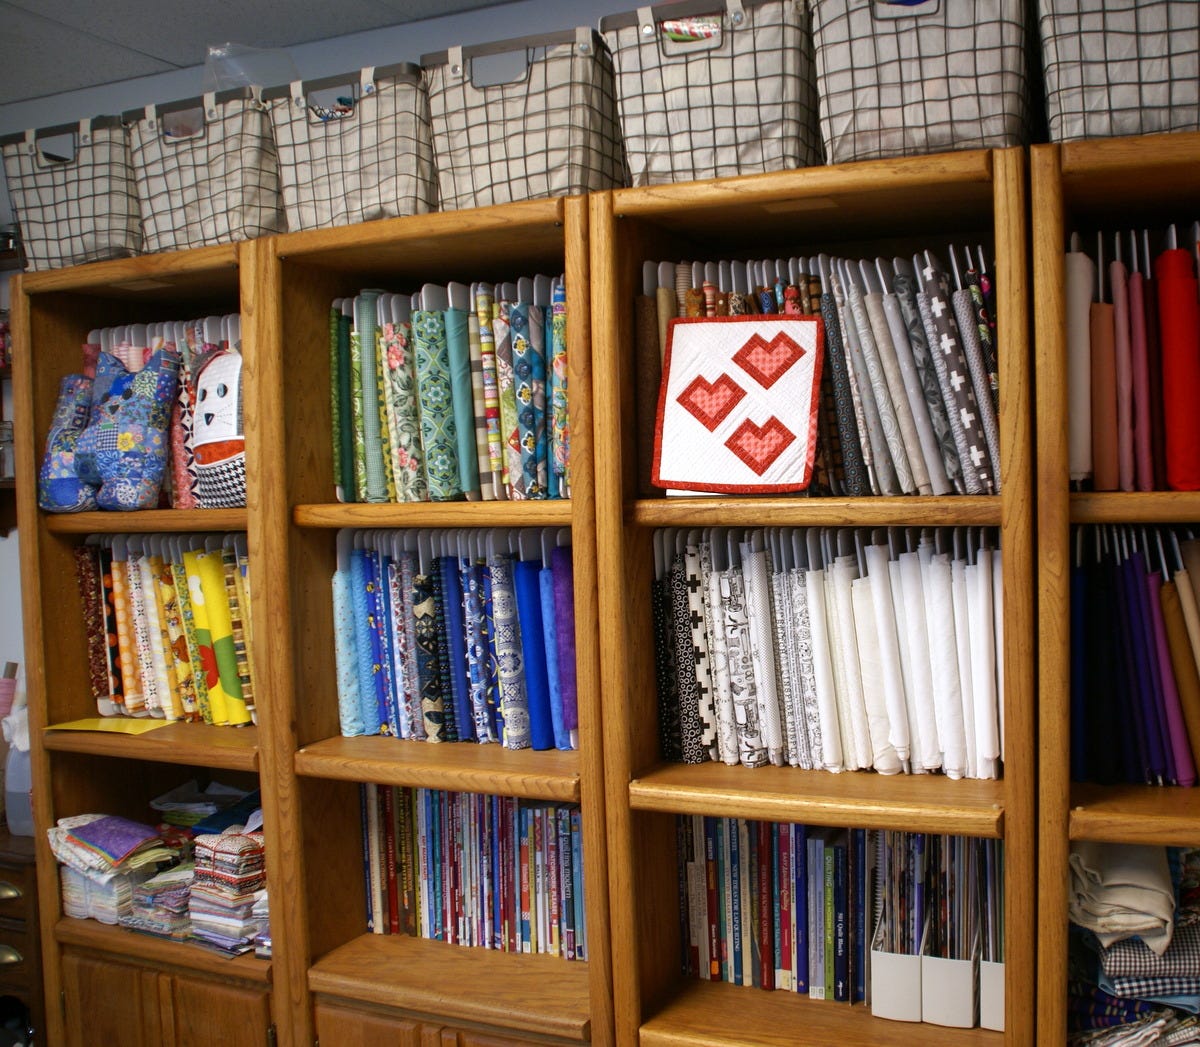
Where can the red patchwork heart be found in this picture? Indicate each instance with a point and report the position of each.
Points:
(767, 362)
(711, 402)
(759, 446)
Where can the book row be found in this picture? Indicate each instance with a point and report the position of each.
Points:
(457, 635)
(1135, 653)
(909, 379)
(831, 648)
(489, 871)
(454, 392)
(168, 626)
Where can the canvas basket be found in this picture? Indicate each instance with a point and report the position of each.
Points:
(367, 155)
(81, 209)
(215, 183)
(551, 132)
(1120, 67)
(900, 80)
(714, 88)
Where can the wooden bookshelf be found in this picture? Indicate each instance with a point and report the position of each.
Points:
(966, 511)
(1147, 814)
(556, 513)
(180, 521)
(194, 744)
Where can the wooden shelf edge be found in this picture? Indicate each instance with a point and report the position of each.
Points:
(1144, 814)
(966, 511)
(192, 744)
(918, 803)
(713, 1014)
(546, 995)
(146, 520)
(540, 513)
(1098, 507)
(1130, 152)
(118, 271)
(456, 767)
(143, 948)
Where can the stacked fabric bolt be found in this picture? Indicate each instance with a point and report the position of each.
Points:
(229, 874)
(160, 905)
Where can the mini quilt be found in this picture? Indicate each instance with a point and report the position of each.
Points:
(737, 407)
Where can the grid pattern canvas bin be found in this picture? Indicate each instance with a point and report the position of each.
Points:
(1120, 67)
(214, 181)
(551, 132)
(367, 155)
(81, 209)
(714, 88)
(901, 80)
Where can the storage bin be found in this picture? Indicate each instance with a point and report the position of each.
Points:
(550, 132)
(207, 171)
(362, 154)
(18, 785)
(898, 80)
(78, 208)
(709, 89)
(1120, 67)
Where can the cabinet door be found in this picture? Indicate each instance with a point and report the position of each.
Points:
(207, 1014)
(109, 1002)
(339, 1026)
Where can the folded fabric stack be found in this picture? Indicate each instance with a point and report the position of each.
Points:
(229, 875)
(188, 804)
(160, 904)
(1136, 976)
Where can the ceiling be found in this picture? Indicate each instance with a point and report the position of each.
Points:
(53, 46)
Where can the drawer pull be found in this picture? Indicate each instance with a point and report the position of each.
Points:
(9, 891)
(9, 956)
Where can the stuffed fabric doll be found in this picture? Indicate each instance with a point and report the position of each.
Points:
(59, 488)
(124, 448)
(217, 438)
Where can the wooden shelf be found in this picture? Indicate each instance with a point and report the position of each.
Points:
(198, 273)
(967, 511)
(145, 948)
(146, 520)
(555, 512)
(1145, 169)
(455, 766)
(1146, 814)
(194, 744)
(918, 802)
(714, 1014)
(1100, 507)
(546, 995)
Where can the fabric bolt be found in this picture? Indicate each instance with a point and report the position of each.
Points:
(854, 473)
(943, 663)
(533, 653)
(882, 634)
(906, 665)
(667, 310)
(347, 424)
(529, 386)
(962, 642)
(693, 302)
(1080, 283)
(781, 616)
(810, 722)
(1179, 320)
(183, 459)
(1105, 454)
(906, 295)
(1187, 680)
(1176, 729)
(1146, 583)
(825, 684)
(564, 618)
(433, 701)
(890, 362)
(560, 415)
(141, 638)
(514, 704)
(852, 709)
(239, 617)
(683, 283)
(985, 324)
(980, 382)
(477, 653)
(358, 416)
(177, 645)
(562, 737)
(1147, 763)
(648, 367)
(456, 643)
(458, 355)
(664, 670)
(487, 487)
(1131, 958)
(921, 635)
(1118, 278)
(509, 433)
(1189, 611)
(739, 304)
(345, 656)
(980, 592)
(883, 755)
(202, 710)
(87, 578)
(365, 326)
(491, 392)
(400, 652)
(752, 749)
(705, 705)
(686, 687)
(1158, 413)
(213, 698)
(880, 433)
(439, 435)
(154, 633)
(401, 412)
(1140, 366)
(414, 711)
(365, 646)
(374, 626)
(718, 656)
(757, 589)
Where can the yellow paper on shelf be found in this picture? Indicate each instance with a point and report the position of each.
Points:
(111, 724)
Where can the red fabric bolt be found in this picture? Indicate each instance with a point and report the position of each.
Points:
(1179, 323)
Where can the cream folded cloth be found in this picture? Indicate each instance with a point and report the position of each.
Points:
(1121, 890)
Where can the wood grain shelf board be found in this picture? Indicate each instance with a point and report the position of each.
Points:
(202, 271)
(193, 744)
(966, 511)
(714, 1014)
(147, 949)
(1144, 169)
(528, 993)
(554, 512)
(1146, 814)
(146, 521)
(460, 767)
(1100, 507)
(919, 802)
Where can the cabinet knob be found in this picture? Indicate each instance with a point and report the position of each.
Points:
(9, 956)
(9, 891)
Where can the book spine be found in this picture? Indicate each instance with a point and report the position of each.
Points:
(862, 919)
(747, 892)
(526, 935)
(723, 896)
(830, 985)
(753, 887)
(683, 855)
(735, 900)
(841, 938)
(379, 920)
(389, 850)
(768, 905)
(581, 942)
(816, 918)
(566, 878)
(782, 842)
(364, 807)
(800, 906)
(710, 880)
(539, 879)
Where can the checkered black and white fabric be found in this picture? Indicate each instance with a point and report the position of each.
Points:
(899, 80)
(222, 485)
(1120, 67)
(367, 156)
(208, 184)
(552, 132)
(78, 209)
(704, 95)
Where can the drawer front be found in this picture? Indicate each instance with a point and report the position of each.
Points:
(18, 952)
(18, 889)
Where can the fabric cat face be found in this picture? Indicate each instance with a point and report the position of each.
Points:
(218, 410)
